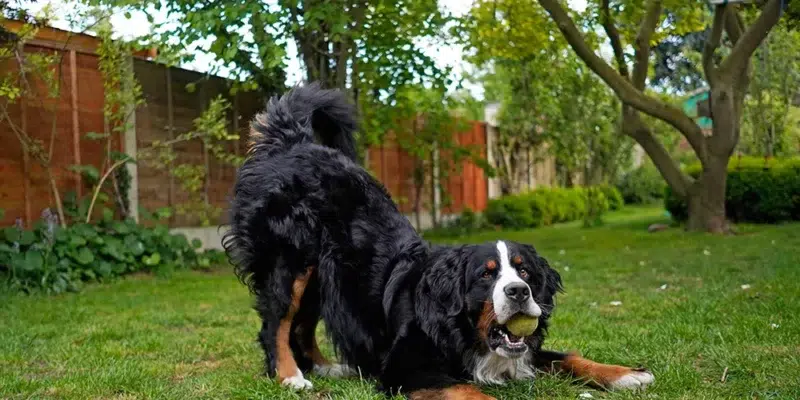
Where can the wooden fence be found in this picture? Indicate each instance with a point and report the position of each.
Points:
(169, 110)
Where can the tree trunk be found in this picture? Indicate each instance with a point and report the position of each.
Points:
(706, 196)
(706, 199)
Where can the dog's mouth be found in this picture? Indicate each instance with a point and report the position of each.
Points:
(505, 343)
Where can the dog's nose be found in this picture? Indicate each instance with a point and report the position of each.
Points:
(517, 291)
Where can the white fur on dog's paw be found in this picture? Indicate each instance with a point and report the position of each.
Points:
(334, 370)
(636, 379)
(297, 382)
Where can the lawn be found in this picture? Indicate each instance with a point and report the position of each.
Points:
(712, 317)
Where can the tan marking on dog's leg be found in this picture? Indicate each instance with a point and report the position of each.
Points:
(457, 392)
(288, 373)
(606, 375)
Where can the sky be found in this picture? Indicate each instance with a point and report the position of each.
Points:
(445, 54)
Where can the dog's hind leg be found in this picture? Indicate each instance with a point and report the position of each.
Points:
(304, 341)
(288, 372)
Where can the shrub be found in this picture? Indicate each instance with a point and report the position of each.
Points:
(55, 259)
(613, 196)
(758, 190)
(642, 185)
(596, 205)
(545, 206)
(513, 212)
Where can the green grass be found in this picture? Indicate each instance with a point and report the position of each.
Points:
(192, 335)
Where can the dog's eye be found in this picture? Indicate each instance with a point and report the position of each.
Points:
(523, 273)
(486, 275)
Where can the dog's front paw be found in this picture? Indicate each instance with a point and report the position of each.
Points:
(297, 382)
(634, 379)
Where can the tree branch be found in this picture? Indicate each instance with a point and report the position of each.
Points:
(642, 43)
(614, 37)
(712, 43)
(624, 89)
(752, 38)
(734, 24)
(669, 169)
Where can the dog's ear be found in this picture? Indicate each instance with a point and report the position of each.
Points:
(444, 284)
(551, 280)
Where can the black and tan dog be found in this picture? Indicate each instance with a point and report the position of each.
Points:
(315, 236)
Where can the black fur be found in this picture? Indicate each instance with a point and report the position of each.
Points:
(396, 307)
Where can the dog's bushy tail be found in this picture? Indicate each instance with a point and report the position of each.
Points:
(294, 117)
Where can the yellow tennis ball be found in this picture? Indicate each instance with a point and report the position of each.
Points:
(522, 325)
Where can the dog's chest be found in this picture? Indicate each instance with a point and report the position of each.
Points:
(495, 369)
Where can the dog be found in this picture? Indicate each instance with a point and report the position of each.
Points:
(314, 236)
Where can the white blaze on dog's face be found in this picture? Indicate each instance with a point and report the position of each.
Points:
(508, 280)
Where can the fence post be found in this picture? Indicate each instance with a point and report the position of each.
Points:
(76, 131)
(130, 150)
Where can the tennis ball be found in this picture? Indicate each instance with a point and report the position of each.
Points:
(522, 325)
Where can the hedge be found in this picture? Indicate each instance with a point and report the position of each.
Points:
(547, 206)
(758, 190)
(643, 185)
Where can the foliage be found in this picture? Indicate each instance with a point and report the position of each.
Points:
(642, 185)
(613, 196)
(547, 206)
(426, 131)
(760, 190)
(767, 127)
(561, 110)
(55, 260)
(725, 59)
(372, 48)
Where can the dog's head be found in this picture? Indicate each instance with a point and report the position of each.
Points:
(465, 299)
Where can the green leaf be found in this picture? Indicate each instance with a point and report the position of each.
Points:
(135, 246)
(88, 172)
(197, 243)
(12, 234)
(84, 256)
(76, 241)
(96, 136)
(26, 238)
(34, 261)
(152, 260)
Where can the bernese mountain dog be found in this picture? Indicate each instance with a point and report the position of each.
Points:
(314, 236)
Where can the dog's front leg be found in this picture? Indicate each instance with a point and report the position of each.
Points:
(607, 376)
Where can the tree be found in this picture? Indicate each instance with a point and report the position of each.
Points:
(727, 76)
(767, 127)
(551, 104)
(370, 48)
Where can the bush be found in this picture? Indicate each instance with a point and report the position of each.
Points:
(545, 206)
(643, 185)
(55, 259)
(758, 190)
(596, 205)
(613, 196)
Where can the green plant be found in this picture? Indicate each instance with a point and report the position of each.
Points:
(596, 205)
(642, 185)
(546, 206)
(614, 197)
(510, 212)
(55, 259)
(760, 190)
